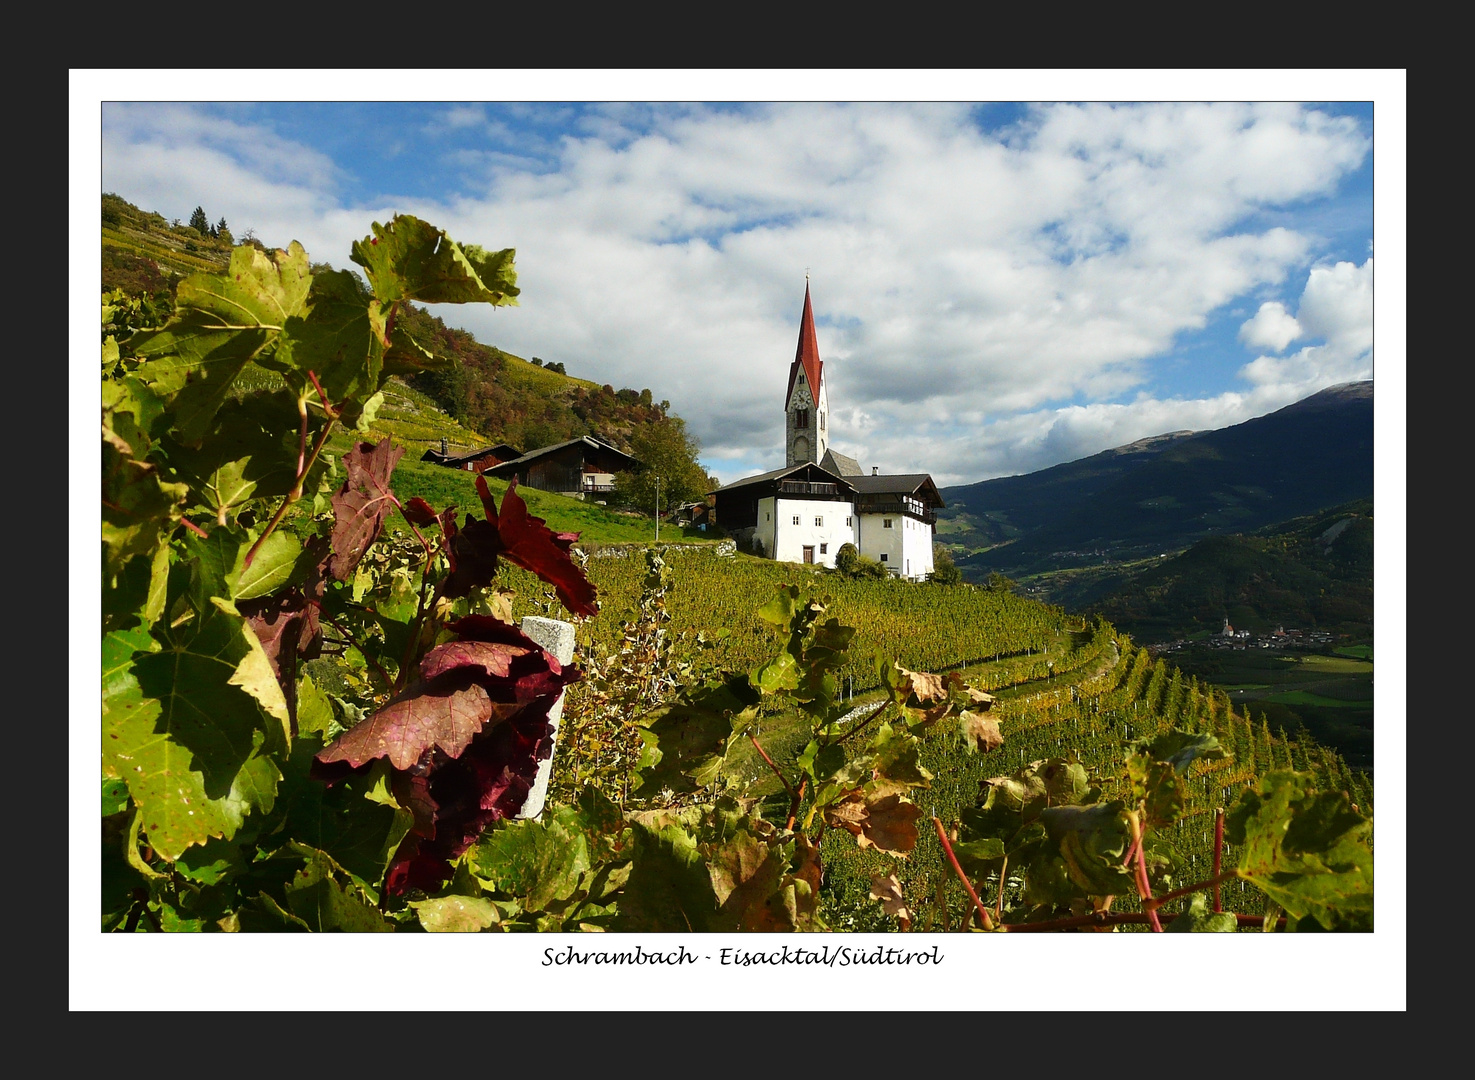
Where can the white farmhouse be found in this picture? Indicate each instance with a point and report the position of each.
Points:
(822, 499)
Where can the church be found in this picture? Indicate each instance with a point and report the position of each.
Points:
(821, 500)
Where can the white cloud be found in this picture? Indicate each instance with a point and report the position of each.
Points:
(1271, 328)
(975, 296)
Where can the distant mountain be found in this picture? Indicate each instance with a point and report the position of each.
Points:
(1165, 493)
(1311, 573)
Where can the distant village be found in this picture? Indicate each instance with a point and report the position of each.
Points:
(1230, 638)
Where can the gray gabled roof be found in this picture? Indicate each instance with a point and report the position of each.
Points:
(779, 474)
(916, 484)
(839, 463)
(534, 455)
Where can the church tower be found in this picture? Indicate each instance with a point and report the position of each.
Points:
(806, 406)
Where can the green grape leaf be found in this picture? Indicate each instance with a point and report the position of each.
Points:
(1093, 840)
(351, 821)
(1163, 791)
(274, 565)
(251, 454)
(669, 889)
(1198, 919)
(114, 796)
(536, 862)
(1178, 748)
(780, 673)
(1307, 850)
(211, 863)
(975, 855)
(184, 735)
(264, 915)
(781, 609)
(139, 509)
(315, 714)
(335, 338)
(222, 321)
(456, 914)
(686, 735)
(316, 897)
(410, 259)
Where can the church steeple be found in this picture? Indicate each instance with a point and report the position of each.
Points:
(806, 406)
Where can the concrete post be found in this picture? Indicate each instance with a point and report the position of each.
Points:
(558, 638)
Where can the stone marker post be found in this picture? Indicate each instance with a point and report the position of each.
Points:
(558, 638)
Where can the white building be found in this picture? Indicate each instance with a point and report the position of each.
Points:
(821, 499)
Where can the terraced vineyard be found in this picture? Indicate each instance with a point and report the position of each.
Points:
(1062, 689)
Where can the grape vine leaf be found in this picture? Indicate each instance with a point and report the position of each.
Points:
(447, 712)
(1198, 919)
(535, 861)
(316, 897)
(189, 742)
(526, 541)
(410, 259)
(886, 823)
(886, 889)
(362, 503)
(1093, 841)
(746, 872)
(456, 914)
(250, 454)
(222, 321)
(1307, 850)
(670, 888)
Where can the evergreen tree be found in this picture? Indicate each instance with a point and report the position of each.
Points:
(199, 222)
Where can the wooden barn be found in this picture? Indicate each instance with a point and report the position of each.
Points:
(583, 466)
(477, 461)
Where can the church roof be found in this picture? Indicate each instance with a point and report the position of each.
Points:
(807, 354)
(839, 463)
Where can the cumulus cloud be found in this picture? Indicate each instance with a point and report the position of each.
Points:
(988, 301)
(1272, 327)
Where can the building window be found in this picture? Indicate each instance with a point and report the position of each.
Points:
(849, 522)
(801, 418)
(767, 517)
(824, 549)
(821, 421)
(796, 519)
(887, 524)
(883, 556)
(818, 521)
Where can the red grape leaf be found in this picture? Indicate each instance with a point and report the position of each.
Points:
(446, 713)
(362, 503)
(419, 512)
(529, 543)
(487, 783)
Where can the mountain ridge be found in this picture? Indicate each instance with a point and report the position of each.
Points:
(1167, 491)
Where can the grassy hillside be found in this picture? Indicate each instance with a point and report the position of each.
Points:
(483, 394)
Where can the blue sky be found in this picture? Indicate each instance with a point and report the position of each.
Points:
(999, 285)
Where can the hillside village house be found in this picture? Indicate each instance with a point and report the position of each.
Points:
(475, 461)
(822, 499)
(579, 467)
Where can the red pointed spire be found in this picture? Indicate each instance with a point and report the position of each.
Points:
(807, 353)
